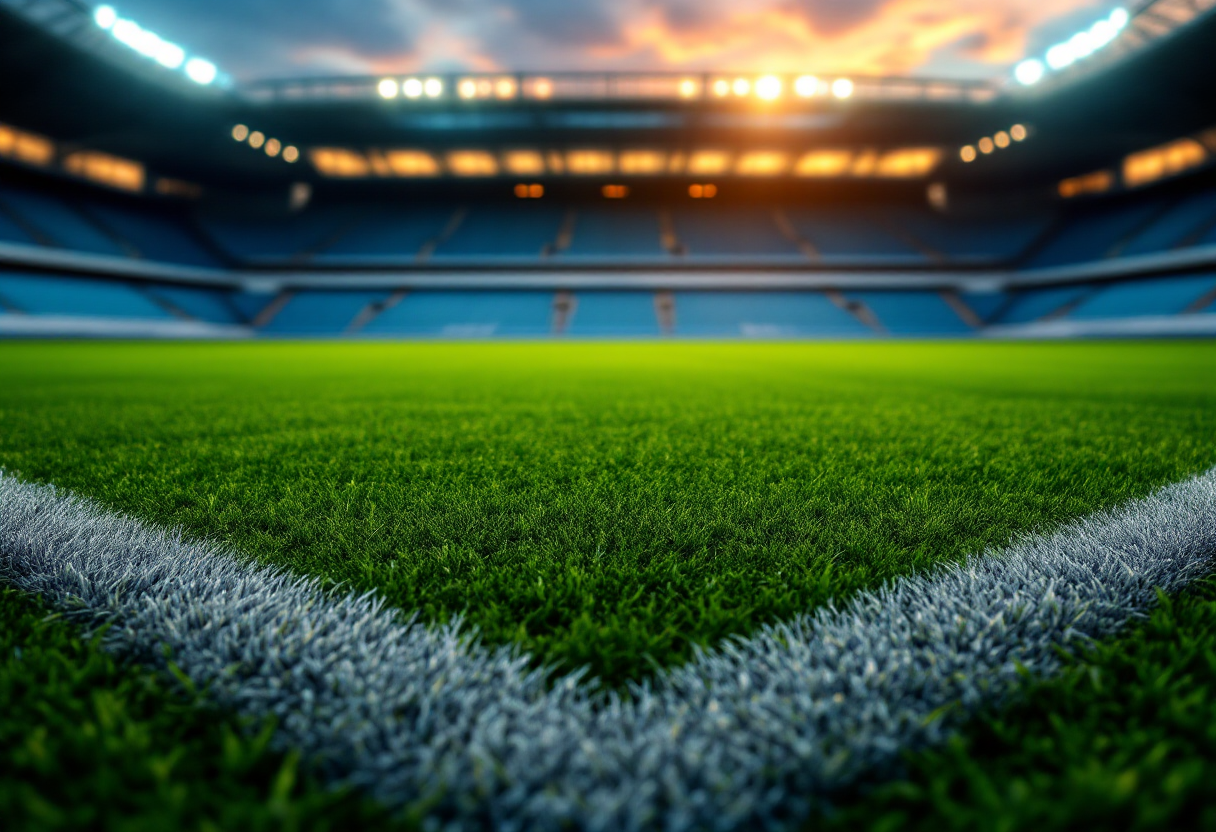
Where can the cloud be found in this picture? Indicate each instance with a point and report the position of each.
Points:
(256, 38)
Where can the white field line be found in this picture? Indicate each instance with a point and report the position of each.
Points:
(748, 735)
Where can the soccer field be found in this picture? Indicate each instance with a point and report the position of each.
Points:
(613, 507)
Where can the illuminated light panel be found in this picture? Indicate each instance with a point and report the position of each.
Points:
(708, 162)
(104, 169)
(555, 162)
(986, 145)
(1030, 72)
(741, 86)
(256, 139)
(521, 191)
(642, 162)
(615, 191)
(1163, 161)
(676, 162)
(472, 163)
(542, 88)
(412, 88)
(379, 163)
(589, 162)
(273, 147)
(762, 163)
(689, 88)
(824, 164)
(240, 132)
(807, 86)
(968, 153)
(291, 154)
(24, 147)
(105, 17)
(768, 88)
(1098, 182)
(524, 162)
(339, 163)
(864, 164)
(908, 163)
(505, 88)
(1018, 132)
(703, 191)
(410, 164)
(388, 88)
(536, 191)
(433, 87)
(200, 71)
(843, 88)
(467, 89)
(721, 88)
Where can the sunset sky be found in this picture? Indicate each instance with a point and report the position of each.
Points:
(951, 38)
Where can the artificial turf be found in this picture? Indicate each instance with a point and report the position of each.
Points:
(609, 505)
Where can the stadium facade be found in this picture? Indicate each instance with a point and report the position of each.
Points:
(137, 199)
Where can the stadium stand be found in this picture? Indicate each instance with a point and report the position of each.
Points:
(319, 313)
(912, 313)
(390, 235)
(614, 314)
(58, 222)
(618, 232)
(852, 238)
(490, 232)
(1165, 296)
(1036, 304)
(41, 295)
(484, 314)
(763, 315)
(210, 305)
(740, 232)
(1097, 233)
(154, 236)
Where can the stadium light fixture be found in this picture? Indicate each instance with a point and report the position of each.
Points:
(256, 139)
(768, 88)
(688, 88)
(1018, 132)
(721, 88)
(467, 88)
(807, 86)
(505, 88)
(412, 88)
(105, 17)
(273, 147)
(741, 87)
(201, 72)
(986, 146)
(967, 154)
(388, 88)
(240, 132)
(842, 88)
(433, 87)
(1030, 72)
(1001, 139)
(291, 154)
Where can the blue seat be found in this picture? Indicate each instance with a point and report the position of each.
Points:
(1158, 296)
(320, 313)
(960, 238)
(844, 237)
(279, 239)
(739, 232)
(523, 231)
(77, 297)
(614, 315)
(617, 232)
(913, 313)
(210, 305)
(155, 236)
(59, 223)
(11, 233)
(1033, 304)
(985, 304)
(389, 235)
(1095, 234)
(763, 315)
(474, 314)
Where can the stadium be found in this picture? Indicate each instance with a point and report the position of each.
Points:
(393, 437)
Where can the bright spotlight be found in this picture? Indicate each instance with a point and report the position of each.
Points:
(742, 86)
(688, 88)
(967, 154)
(388, 88)
(105, 16)
(467, 88)
(505, 88)
(1018, 132)
(1060, 56)
(986, 145)
(1082, 45)
(1120, 18)
(291, 154)
(201, 71)
(721, 88)
(273, 146)
(842, 88)
(169, 55)
(768, 87)
(1001, 139)
(433, 87)
(256, 139)
(412, 88)
(1102, 33)
(1030, 72)
(806, 86)
(240, 132)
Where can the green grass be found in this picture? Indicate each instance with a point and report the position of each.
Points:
(90, 744)
(609, 505)
(602, 504)
(1125, 738)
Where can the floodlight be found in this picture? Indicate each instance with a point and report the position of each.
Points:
(105, 16)
(1060, 56)
(467, 88)
(388, 88)
(806, 86)
(291, 154)
(1102, 33)
(842, 88)
(742, 86)
(986, 145)
(240, 132)
(433, 87)
(768, 87)
(688, 88)
(1018, 132)
(505, 88)
(1082, 45)
(1030, 72)
(967, 154)
(256, 139)
(412, 88)
(201, 71)
(1119, 18)
(170, 55)
(1001, 139)
(273, 146)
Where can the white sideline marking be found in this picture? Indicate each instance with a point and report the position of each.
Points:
(745, 736)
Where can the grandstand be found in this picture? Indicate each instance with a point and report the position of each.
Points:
(604, 206)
